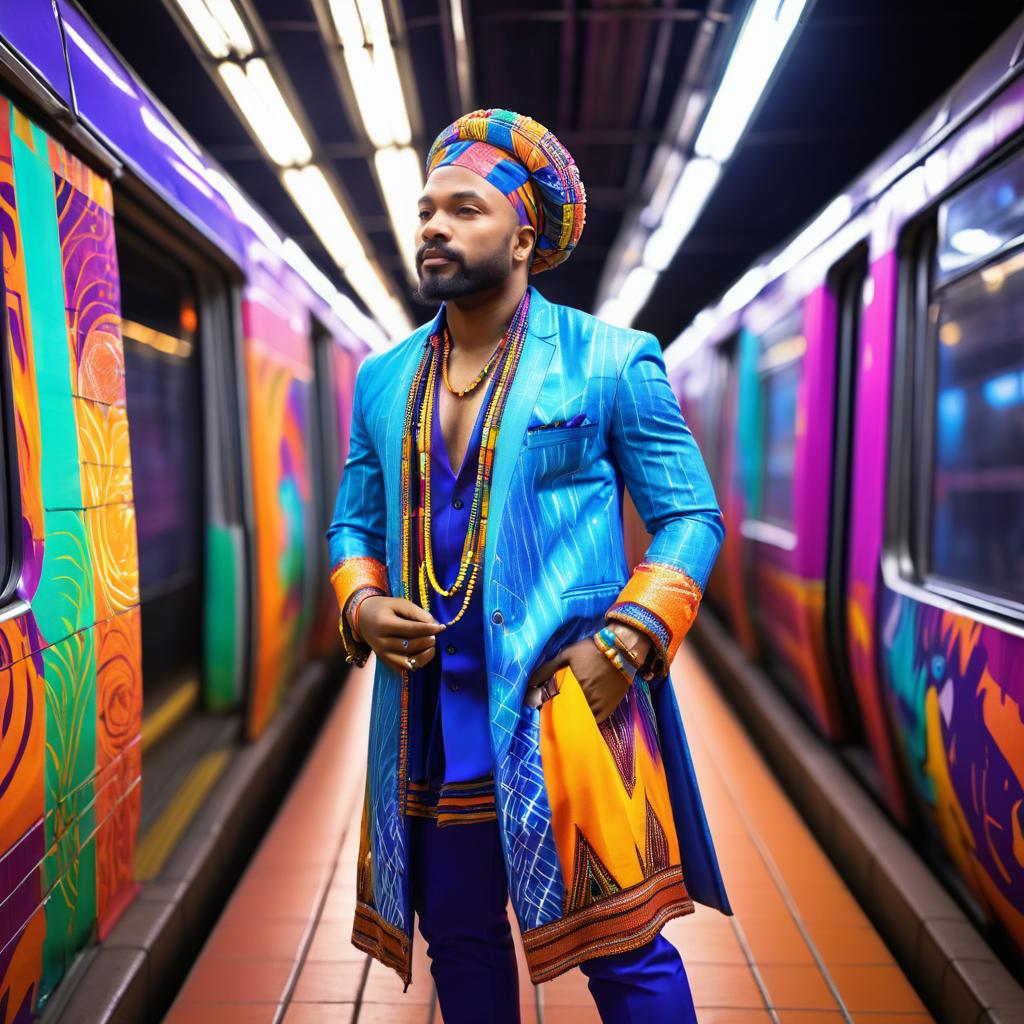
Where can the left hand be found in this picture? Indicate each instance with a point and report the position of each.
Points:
(601, 682)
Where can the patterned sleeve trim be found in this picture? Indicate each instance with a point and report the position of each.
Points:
(660, 601)
(348, 577)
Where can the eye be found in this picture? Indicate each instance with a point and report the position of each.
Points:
(423, 213)
(466, 209)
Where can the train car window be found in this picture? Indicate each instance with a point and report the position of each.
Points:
(165, 419)
(780, 364)
(969, 388)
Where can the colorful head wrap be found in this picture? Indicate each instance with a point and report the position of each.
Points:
(528, 164)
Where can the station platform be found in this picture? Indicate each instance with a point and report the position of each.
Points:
(799, 949)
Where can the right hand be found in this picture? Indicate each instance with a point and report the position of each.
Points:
(385, 622)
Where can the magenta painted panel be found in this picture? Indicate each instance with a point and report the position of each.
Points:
(867, 495)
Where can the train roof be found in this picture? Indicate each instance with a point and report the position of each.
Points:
(59, 61)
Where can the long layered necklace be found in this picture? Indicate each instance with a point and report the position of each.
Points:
(416, 460)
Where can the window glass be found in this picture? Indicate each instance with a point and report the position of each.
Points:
(780, 366)
(164, 404)
(981, 220)
(977, 482)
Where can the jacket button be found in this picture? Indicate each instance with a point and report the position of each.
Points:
(450, 649)
(497, 618)
(457, 503)
(453, 686)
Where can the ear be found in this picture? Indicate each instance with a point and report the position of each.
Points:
(523, 243)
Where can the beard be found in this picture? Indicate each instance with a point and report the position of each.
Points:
(468, 278)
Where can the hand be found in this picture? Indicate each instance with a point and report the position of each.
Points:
(397, 630)
(602, 683)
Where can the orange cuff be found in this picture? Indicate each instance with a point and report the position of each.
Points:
(350, 575)
(661, 601)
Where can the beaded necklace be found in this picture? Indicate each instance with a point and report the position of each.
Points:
(416, 446)
(472, 385)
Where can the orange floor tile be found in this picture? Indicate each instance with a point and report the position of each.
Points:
(797, 951)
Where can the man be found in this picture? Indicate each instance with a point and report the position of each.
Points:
(524, 734)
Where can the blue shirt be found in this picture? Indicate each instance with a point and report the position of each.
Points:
(449, 727)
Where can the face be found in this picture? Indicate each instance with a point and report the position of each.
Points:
(469, 237)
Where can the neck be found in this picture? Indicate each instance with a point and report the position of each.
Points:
(477, 322)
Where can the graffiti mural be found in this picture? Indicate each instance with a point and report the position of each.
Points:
(956, 706)
(70, 678)
(279, 363)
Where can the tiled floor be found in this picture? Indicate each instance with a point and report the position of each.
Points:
(798, 950)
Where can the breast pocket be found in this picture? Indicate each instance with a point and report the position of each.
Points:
(555, 452)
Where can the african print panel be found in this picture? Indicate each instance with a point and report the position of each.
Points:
(70, 680)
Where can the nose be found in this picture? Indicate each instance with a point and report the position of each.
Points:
(434, 228)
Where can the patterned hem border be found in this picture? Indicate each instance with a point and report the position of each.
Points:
(384, 942)
(618, 923)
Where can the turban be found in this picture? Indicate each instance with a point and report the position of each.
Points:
(525, 162)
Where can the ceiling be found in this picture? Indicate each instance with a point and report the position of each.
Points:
(603, 75)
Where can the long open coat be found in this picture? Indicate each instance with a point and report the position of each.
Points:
(602, 827)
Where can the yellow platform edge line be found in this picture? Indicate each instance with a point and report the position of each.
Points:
(160, 839)
(172, 711)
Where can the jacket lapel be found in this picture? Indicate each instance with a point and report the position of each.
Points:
(533, 365)
(401, 382)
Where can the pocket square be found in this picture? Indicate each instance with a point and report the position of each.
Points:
(579, 420)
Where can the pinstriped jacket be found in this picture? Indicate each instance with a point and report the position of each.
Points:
(554, 570)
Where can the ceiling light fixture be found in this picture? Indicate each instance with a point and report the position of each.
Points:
(254, 90)
(372, 70)
(218, 26)
(670, 215)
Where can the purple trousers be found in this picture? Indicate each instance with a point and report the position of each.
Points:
(460, 895)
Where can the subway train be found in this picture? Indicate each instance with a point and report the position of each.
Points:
(858, 396)
(175, 390)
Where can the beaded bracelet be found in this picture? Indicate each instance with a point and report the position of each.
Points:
(606, 641)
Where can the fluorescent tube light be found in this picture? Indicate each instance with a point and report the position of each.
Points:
(689, 197)
(401, 182)
(226, 15)
(319, 205)
(635, 290)
(381, 303)
(263, 106)
(218, 25)
(372, 71)
(758, 49)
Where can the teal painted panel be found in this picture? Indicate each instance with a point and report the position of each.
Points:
(64, 601)
(222, 619)
(69, 870)
(34, 182)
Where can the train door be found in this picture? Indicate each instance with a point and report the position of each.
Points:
(846, 285)
(182, 407)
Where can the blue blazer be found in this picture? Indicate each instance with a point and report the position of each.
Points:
(554, 563)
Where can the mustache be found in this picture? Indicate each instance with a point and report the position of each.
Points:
(440, 249)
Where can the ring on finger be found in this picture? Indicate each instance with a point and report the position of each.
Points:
(405, 642)
(411, 662)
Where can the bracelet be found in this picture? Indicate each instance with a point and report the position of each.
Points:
(605, 639)
(356, 600)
